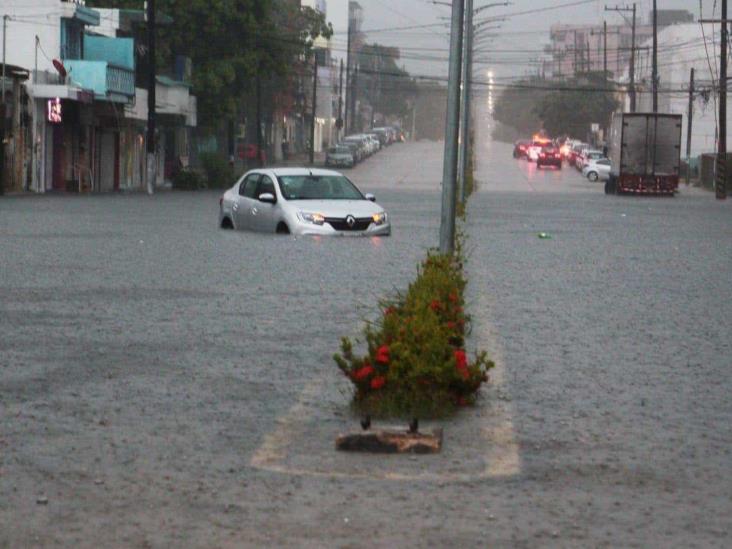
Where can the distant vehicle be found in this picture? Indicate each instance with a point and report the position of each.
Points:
(597, 169)
(575, 152)
(356, 149)
(340, 155)
(549, 156)
(301, 201)
(521, 148)
(586, 156)
(645, 152)
(537, 144)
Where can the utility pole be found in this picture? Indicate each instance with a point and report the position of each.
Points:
(631, 87)
(349, 84)
(689, 116)
(575, 53)
(655, 58)
(339, 121)
(452, 130)
(463, 152)
(721, 186)
(315, 106)
(152, 163)
(354, 93)
(3, 110)
(721, 178)
(604, 55)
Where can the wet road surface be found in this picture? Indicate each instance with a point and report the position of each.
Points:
(163, 382)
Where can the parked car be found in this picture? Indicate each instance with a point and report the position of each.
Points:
(549, 156)
(340, 155)
(597, 169)
(587, 155)
(521, 148)
(301, 201)
(355, 148)
(574, 153)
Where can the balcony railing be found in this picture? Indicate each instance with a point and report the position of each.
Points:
(105, 80)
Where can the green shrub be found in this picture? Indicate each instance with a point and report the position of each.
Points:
(416, 364)
(188, 180)
(219, 173)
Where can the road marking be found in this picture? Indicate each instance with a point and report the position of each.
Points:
(502, 453)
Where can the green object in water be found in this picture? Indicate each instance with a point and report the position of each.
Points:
(544, 236)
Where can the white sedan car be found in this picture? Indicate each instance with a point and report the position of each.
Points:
(597, 169)
(301, 201)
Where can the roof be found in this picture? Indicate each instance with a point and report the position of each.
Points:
(298, 171)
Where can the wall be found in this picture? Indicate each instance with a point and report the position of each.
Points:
(28, 19)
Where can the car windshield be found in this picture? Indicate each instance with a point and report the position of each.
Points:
(318, 187)
(339, 150)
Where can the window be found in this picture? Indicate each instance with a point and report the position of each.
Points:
(248, 187)
(266, 186)
(318, 187)
(604, 162)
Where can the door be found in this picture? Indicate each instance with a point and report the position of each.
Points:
(245, 201)
(263, 213)
(58, 181)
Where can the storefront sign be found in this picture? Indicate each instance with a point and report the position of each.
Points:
(55, 115)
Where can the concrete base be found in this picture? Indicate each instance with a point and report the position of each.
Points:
(391, 442)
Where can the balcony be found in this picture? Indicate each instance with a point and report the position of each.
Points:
(108, 68)
(108, 82)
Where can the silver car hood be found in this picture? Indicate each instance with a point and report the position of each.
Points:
(337, 208)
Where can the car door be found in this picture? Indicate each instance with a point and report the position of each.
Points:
(263, 214)
(245, 201)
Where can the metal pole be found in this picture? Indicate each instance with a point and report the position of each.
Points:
(348, 78)
(632, 65)
(690, 116)
(452, 128)
(604, 55)
(721, 186)
(354, 90)
(655, 58)
(152, 164)
(5, 36)
(2, 111)
(315, 107)
(463, 152)
(339, 122)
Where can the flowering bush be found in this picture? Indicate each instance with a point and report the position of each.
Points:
(416, 363)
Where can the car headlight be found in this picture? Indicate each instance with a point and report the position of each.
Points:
(314, 218)
(379, 218)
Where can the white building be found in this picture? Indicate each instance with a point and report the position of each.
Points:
(681, 48)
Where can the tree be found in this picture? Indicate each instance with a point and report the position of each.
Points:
(576, 105)
(389, 89)
(515, 108)
(231, 44)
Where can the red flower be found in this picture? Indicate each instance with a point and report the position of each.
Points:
(462, 401)
(451, 325)
(363, 373)
(435, 305)
(390, 311)
(461, 360)
(382, 354)
(378, 382)
(453, 297)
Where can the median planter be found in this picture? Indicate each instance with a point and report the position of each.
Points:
(415, 363)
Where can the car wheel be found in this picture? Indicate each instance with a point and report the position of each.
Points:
(592, 176)
(226, 223)
(282, 228)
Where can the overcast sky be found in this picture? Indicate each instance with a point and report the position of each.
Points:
(425, 50)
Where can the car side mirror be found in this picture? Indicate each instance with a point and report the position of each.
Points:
(269, 198)
(370, 197)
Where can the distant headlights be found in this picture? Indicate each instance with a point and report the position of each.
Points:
(379, 218)
(314, 218)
